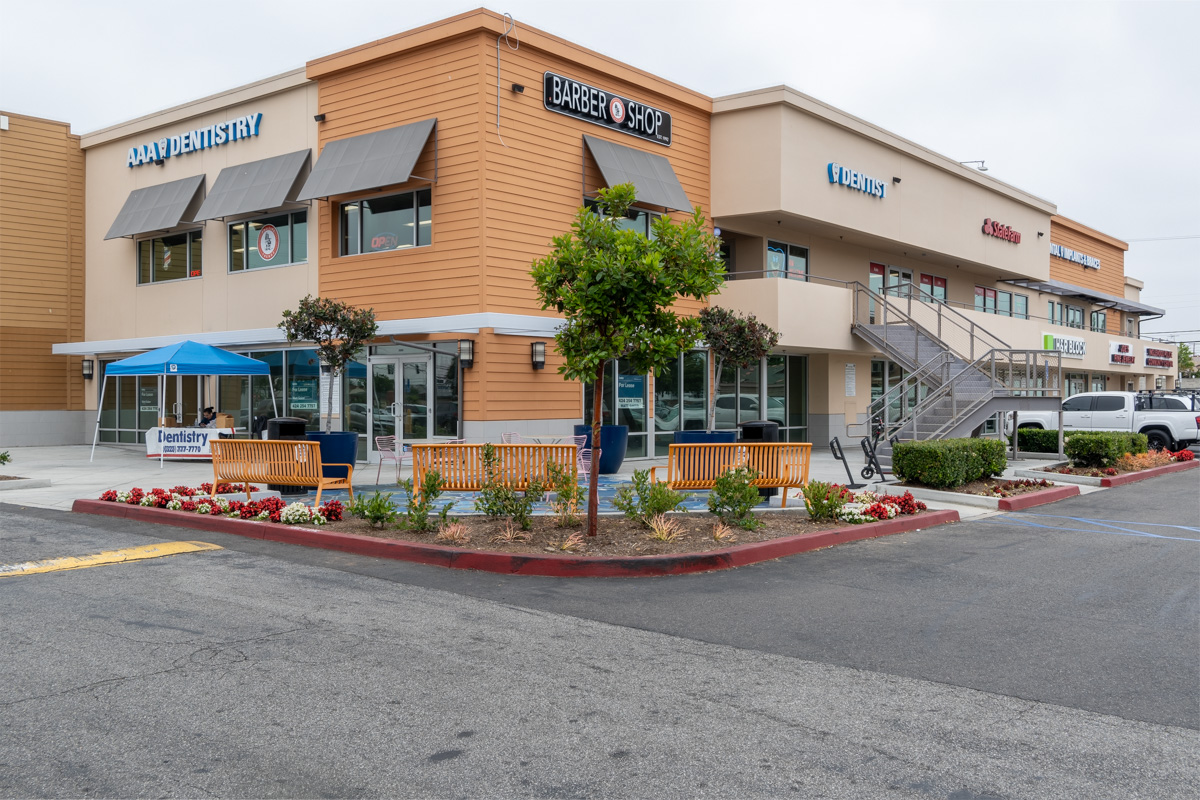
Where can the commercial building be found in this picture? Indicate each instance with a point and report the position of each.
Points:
(421, 174)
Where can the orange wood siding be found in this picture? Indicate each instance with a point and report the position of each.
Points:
(41, 264)
(1110, 278)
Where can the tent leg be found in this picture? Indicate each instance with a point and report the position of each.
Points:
(99, 411)
(271, 385)
(162, 400)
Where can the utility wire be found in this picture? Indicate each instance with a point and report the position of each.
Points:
(511, 27)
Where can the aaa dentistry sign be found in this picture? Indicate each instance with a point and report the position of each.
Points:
(191, 141)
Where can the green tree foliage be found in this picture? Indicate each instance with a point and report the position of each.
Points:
(337, 329)
(1187, 364)
(739, 340)
(616, 289)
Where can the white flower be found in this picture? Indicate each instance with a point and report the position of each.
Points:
(296, 514)
(263, 516)
(174, 504)
(122, 497)
(148, 501)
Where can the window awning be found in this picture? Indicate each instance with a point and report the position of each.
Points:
(158, 208)
(1091, 295)
(382, 158)
(650, 173)
(258, 186)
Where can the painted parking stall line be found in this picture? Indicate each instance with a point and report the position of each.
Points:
(1103, 526)
(105, 558)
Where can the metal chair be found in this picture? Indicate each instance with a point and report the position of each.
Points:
(585, 461)
(511, 438)
(385, 446)
(580, 442)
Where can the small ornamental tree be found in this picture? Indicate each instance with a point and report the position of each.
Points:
(1187, 365)
(339, 331)
(740, 341)
(616, 287)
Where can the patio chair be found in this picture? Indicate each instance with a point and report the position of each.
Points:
(386, 447)
(579, 442)
(511, 438)
(585, 461)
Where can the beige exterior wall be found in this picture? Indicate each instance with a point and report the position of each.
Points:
(770, 153)
(118, 308)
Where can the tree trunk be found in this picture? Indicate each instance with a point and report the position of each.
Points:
(593, 473)
(712, 410)
(329, 394)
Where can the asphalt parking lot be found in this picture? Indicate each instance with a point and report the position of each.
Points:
(1024, 655)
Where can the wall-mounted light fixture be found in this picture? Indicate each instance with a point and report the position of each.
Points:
(717, 232)
(895, 180)
(982, 166)
(466, 353)
(318, 118)
(538, 351)
(518, 88)
(1040, 234)
(158, 162)
(89, 369)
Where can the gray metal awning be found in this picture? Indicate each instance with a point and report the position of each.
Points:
(158, 208)
(651, 174)
(1091, 295)
(382, 158)
(258, 186)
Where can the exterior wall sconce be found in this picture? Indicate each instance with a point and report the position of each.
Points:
(89, 369)
(318, 117)
(895, 180)
(518, 88)
(466, 353)
(538, 351)
(1040, 234)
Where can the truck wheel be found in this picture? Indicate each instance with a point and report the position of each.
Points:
(1033, 426)
(1158, 439)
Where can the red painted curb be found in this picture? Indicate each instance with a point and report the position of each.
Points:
(1153, 472)
(1037, 498)
(556, 566)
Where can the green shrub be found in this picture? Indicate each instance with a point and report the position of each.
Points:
(824, 500)
(377, 509)
(733, 498)
(946, 463)
(1037, 440)
(416, 517)
(567, 495)
(642, 500)
(498, 499)
(5, 457)
(1103, 448)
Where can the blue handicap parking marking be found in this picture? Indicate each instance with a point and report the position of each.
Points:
(1113, 527)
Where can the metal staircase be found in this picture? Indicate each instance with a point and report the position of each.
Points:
(958, 374)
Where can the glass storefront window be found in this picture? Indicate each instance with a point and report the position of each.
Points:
(261, 408)
(303, 388)
(250, 239)
(787, 261)
(170, 258)
(680, 399)
(445, 390)
(627, 391)
(394, 222)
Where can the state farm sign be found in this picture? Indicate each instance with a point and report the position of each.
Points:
(993, 228)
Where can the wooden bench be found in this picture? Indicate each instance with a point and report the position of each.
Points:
(461, 465)
(697, 466)
(288, 463)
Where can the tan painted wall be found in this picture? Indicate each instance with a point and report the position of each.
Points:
(41, 264)
(770, 152)
(219, 300)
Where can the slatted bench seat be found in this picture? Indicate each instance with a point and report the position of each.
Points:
(287, 463)
(779, 465)
(461, 465)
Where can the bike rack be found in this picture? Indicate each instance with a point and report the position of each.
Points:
(836, 447)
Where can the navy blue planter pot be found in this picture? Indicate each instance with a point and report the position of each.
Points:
(614, 439)
(705, 437)
(339, 447)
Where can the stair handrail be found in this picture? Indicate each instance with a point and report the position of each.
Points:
(956, 319)
(986, 366)
(926, 374)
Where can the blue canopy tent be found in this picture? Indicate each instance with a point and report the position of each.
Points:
(185, 358)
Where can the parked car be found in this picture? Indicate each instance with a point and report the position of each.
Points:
(1168, 420)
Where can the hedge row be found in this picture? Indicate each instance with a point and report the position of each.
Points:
(946, 463)
(1037, 440)
(1102, 448)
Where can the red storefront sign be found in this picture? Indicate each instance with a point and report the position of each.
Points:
(993, 228)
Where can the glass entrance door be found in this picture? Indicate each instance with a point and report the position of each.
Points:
(898, 281)
(399, 405)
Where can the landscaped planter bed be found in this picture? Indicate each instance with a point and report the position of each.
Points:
(998, 494)
(1120, 473)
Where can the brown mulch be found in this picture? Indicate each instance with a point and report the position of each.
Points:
(617, 535)
(11, 478)
(985, 488)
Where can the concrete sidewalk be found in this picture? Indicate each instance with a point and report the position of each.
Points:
(73, 477)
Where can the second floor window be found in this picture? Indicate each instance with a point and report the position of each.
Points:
(268, 242)
(379, 224)
(933, 288)
(1100, 321)
(787, 261)
(169, 258)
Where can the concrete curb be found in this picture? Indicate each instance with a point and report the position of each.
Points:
(564, 566)
(996, 503)
(24, 483)
(1153, 472)
(1036, 498)
(1079, 480)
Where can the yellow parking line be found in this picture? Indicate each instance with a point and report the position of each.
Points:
(107, 557)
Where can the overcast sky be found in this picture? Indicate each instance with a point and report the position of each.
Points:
(1093, 106)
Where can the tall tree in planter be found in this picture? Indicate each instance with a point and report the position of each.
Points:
(339, 331)
(740, 341)
(616, 289)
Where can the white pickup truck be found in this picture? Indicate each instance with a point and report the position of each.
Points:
(1168, 420)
